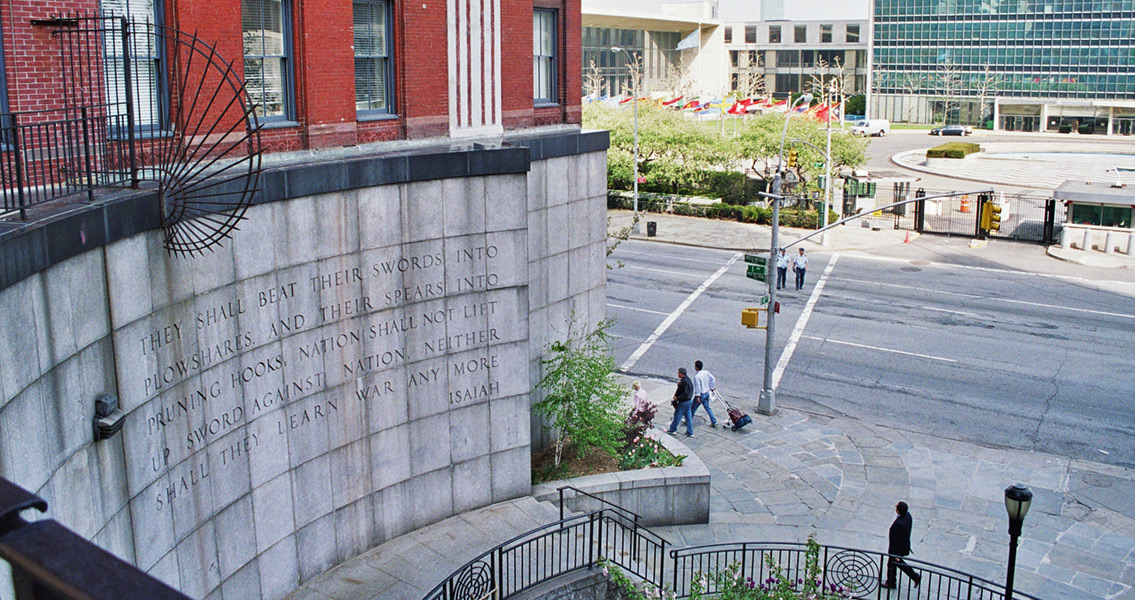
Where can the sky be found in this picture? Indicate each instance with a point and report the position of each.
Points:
(750, 10)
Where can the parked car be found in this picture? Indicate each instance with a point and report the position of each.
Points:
(952, 130)
(872, 127)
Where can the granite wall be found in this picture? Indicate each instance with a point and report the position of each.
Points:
(358, 362)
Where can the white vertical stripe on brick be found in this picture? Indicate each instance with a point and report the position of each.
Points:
(463, 63)
(476, 55)
(498, 119)
(474, 52)
(451, 56)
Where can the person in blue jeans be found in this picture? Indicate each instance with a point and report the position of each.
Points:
(782, 261)
(704, 385)
(683, 404)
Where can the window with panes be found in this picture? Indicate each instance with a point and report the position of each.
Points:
(266, 30)
(374, 72)
(800, 34)
(544, 55)
(147, 82)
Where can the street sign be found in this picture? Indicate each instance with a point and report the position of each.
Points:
(758, 272)
(818, 165)
(756, 259)
(766, 299)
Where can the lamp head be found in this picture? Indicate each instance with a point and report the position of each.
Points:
(1018, 499)
(616, 49)
(804, 98)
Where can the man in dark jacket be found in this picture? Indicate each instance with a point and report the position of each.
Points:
(900, 546)
(683, 404)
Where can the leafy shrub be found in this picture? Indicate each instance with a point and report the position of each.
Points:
(760, 215)
(1065, 129)
(953, 150)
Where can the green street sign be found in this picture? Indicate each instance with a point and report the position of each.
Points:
(756, 259)
(818, 165)
(765, 300)
(758, 272)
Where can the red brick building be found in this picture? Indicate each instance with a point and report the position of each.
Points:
(331, 73)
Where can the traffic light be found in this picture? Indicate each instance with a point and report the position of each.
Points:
(792, 158)
(990, 214)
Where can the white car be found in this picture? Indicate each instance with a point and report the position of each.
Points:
(872, 127)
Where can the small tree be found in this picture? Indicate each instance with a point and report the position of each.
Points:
(987, 83)
(678, 80)
(582, 399)
(593, 82)
(950, 82)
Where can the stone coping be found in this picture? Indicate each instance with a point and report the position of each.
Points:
(61, 229)
(662, 496)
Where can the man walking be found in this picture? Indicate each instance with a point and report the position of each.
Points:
(782, 269)
(801, 264)
(704, 385)
(899, 545)
(683, 404)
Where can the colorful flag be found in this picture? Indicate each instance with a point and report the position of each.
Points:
(669, 102)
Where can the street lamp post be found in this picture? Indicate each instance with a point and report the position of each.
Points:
(634, 91)
(828, 165)
(1018, 498)
(766, 405)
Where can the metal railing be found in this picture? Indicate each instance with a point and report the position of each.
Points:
(859, 571)
(556, 549)
(625, 511)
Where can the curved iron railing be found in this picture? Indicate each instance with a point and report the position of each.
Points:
(861, 571)
(557, 549)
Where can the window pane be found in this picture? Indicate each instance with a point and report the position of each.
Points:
(543, 55)
(370, 29)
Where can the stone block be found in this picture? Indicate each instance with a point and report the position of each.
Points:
(469, 432)
(558, 268)
(272, 512)
(469, 381)
(261, 297)
(245, 583)
(337, 229)
(559, 226)
(579, 270)
(427, 388)
(386, 403)
(510, 265)
(152, 519)
(252, 255)
(270, 459)
(279, 570)
(319, 551)
(67, 411)
(170, 280)
(235, 526)
(193, 504)
(429, 446)
(390, 458)
(537, 183)
(350, 417)
(307, 422)
(512, 474)
(311, 486)
(106, 462)
(197, 562)
(537, 234)
(469, 484)
(420, 202)
(76, 304)
(510, 423)
(23, 439)
(580, 224)
(350, 474)
(116, 537)
(597, 218)
(462, 204)
(596, 173)
(165, 570)
(564, 172)
(129, 280)
(294, 222)
(380, 216)
(24, 314)
(431, 497)
(508, 314)
(506, 202)
(75, 508)
(211, 270)
(354, 529)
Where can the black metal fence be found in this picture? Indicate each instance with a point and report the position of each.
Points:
(858, 571)
(1024, 217)
(557, 549)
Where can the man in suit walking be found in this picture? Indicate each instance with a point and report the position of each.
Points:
(899, 545)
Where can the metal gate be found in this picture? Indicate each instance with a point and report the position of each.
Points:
(1024, 217)
(126, 102)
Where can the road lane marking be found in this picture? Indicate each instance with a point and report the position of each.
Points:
(993, 298)
(865, 346)
(668, 321)
(952, 312)
(785, 356)
(681, 273)
(645, 310)
(671, 256)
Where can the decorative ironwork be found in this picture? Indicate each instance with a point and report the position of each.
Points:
(854, 570)
(474, 582)
(143, 104)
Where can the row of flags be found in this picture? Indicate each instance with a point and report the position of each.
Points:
(729, 106)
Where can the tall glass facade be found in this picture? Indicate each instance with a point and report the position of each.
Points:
(1052, 49)
(657, 49)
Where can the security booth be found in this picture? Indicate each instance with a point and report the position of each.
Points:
(1098, 216)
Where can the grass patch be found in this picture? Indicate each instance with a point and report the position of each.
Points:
(953, 150)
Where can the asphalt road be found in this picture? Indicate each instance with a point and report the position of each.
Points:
(944, 345)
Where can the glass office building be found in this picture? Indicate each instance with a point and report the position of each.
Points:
(1032, 65)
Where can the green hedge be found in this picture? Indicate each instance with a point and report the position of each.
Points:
(953, 150)
(802, 219)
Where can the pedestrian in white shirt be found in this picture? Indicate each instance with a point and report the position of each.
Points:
(704, 385)
(782, 261)
(800, 263)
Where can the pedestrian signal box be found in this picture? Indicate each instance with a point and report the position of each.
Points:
(751, 317)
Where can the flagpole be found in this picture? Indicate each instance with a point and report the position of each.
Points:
(828, 167)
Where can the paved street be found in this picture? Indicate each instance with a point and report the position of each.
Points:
(942, 347)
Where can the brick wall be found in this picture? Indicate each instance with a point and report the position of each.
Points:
(323, 62)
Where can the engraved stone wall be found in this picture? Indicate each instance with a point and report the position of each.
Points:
(353, 365)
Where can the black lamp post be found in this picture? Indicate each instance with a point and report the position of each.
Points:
(1018, 498)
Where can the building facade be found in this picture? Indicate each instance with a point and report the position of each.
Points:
(782, 57)
(1033, 65)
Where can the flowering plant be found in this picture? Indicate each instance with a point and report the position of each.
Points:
(732, 584)
(643, 451)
